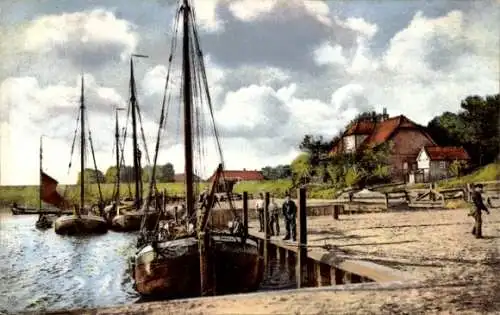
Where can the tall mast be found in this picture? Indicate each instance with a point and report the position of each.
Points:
(134, 135)
(82, 149)
(188, 148)
(41, 170)
(117, 148)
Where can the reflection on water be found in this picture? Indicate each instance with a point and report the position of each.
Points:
(42, 270)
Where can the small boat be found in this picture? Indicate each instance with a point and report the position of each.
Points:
(128, 217)
(43, 222)
(190, 258)
(17, 210)
(79, 223)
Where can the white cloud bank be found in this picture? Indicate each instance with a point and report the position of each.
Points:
(263, 112)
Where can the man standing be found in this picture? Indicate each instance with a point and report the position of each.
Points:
(290, 213)
(274, 211)
(259, 206)
(477, 198)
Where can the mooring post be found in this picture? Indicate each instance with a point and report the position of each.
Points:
(206, 284)
(245, 213)
(336, 212)
(301, 261)
(266, 229)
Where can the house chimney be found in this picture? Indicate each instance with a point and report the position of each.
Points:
(244, 169)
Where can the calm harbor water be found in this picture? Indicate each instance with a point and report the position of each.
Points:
(42, 270)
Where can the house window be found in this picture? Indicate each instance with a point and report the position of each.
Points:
(442, 164)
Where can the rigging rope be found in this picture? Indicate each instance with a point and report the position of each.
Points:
(65, 191)
(96, 170)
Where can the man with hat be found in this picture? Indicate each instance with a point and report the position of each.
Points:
(479, 206)
(290, 213)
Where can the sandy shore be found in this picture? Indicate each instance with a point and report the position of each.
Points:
(457, 273)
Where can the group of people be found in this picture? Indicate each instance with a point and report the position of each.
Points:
(289, 211)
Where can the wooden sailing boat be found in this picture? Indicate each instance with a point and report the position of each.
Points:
(193, 261)
(80, 223)
(43, 221)
(128, 218)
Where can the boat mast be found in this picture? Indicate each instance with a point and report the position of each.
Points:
(41, 170)
(117, 148)
(134, 136)
(82, 149)
(188, 149)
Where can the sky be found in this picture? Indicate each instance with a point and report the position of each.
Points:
(277, 70)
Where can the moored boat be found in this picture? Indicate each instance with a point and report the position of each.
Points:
(80, 223)
(188, 258)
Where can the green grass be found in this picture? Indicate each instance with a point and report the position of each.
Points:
(29, 194)
(490, 172)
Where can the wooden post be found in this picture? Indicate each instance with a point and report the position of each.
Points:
(336, 210)
(302, 239)
(206, 284)
(245, 213)
(468, 192)
(386, 200)
(266, 228)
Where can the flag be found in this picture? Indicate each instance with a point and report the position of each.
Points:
(50, 194)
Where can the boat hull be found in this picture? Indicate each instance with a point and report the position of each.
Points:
(131, 221)
(238, 268)
(85, 224)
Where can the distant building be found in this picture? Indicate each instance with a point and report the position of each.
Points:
(433, 163)
(406, 136)
(238, 176)
(180, 178)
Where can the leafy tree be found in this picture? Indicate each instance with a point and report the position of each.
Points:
(91, 176)
(278, 172)
(456, 168)
(301, 169)
(166, 173)
(110, 175)
(315, 147)
(475, 128)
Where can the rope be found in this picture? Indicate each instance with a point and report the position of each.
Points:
(96, 170)
(72, 151)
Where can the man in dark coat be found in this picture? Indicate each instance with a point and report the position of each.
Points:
(479, 206)
(290, 213)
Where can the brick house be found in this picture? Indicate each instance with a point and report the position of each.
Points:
(240, 175)
(406, 136)
(433, 163)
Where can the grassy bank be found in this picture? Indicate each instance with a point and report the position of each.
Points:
(29, 194)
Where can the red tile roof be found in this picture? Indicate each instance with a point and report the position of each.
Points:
(381, 131)
(437, 153)
(242, 175)
(362, 127)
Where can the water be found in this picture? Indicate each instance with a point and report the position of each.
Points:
(42, 270)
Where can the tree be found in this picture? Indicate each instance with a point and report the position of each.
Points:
(278, 172)
(301, 169)
(475, 128)
(110, 175)
(316, 148)
(166, 173)
(91, 176)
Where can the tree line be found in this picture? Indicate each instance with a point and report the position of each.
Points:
(166, 174)
(475, 127)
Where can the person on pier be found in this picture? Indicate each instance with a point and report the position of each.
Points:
(259, 206)
(477, 199)
(290, 213)
(274, 213)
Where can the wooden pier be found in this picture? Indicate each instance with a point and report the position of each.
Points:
(316, 266)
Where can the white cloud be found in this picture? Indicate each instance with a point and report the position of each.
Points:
(87, 38)
(266, 97)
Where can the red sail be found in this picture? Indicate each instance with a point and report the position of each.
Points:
(50, 194)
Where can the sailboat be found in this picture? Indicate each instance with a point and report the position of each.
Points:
(129, 217)
(191, 259)
(80, 223)
(43, 221)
